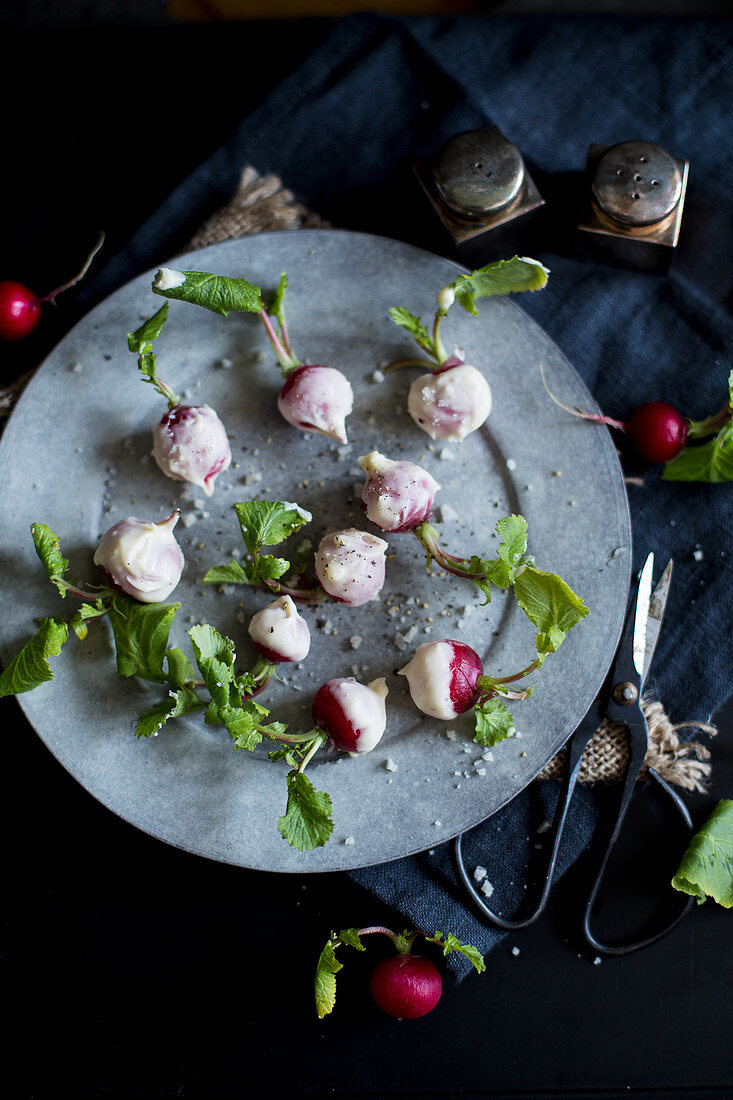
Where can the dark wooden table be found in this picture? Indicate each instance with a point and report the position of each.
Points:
(136, 970)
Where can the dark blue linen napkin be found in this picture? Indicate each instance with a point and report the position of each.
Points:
(343, 131)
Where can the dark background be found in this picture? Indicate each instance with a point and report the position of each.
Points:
(135, 970)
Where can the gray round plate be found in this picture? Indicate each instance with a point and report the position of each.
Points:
(75, 455)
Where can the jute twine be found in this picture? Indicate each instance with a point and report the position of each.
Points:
(261, 204)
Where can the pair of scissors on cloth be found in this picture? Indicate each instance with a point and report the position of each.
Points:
(619, 701)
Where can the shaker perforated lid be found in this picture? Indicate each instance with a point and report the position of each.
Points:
(478, 173)
(636, 183)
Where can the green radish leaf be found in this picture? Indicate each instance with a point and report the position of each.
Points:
(269, 522)
(140, 341)
(494, 722)
(502, 277)
(414, 326)
(307, 822)
(233, 572)
(550, 604)
(329, 966)
(30, 668)
(450, 943)
(709, 461)
(513, 533)
(48, 548)
(270, 568)
(276, 307)
(706, 869)
(218, 293)
(182, 700)
(180, 669)
(78, 621)
(214, 655)
(141, 636)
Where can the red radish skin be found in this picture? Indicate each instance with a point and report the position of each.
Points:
(466, 666)
(329, 715)
(406, 986)
(658, 431)
(20, 311)
(443, 678)
(352, 715)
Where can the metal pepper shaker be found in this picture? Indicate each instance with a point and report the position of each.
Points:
(633, 198)
(477, 181)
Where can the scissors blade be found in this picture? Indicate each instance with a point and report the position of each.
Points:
(657, 605)
(641, 619)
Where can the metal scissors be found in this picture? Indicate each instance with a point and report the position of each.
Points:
(619, 701)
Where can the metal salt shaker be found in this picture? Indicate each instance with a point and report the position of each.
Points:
(477, 182)
(633, 198)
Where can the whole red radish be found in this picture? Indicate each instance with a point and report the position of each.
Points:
(658, 430)
(406, 986)
(20, 309)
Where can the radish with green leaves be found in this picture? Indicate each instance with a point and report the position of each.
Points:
(20, 309)
(447, 678)
(404, 985)
(141, 632)
(189, 442)
(691, 450)
(454, 398)
(314, 398)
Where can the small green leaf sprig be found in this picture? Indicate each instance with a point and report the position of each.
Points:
(501, 277)
(140, 343)
(141, 634)
(224, 295)
(545, 598)
(328, 964)
(266, 523)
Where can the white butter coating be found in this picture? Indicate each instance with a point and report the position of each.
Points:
(142, 558)
(190, 444)
(398, 494)
(429, 677)
(281, 630)
(450, 404)
(350, 565)
(317, 399)
(364, 707)
(168, 278)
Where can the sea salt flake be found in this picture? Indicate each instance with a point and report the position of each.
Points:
(511, 464)
(390, 765)
(487, 888)
(355, 641)
(479, 874)
(349, 840)
(515, 951)
(446, 514)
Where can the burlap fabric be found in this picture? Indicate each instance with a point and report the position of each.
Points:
(261, 204)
